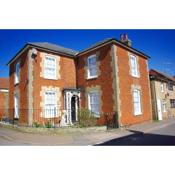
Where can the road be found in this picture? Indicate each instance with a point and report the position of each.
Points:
(162, 136)
(153, 133)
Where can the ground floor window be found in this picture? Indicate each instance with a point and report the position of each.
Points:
(164, 106)
(137, 102)
(94, 102)
(172, 103)
(16, 106)
(50, 106)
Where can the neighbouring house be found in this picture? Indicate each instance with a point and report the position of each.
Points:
(48, 81)
(162, 95)
(4, 99)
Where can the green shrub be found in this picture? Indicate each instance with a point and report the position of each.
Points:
(48, 124)
(86, 118)
(36, 124)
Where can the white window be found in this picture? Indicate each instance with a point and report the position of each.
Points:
(16, 106)
(162, 87)
(164, 106)
(50, 67)
(92, 66)
(94, 102)
(17, 72)
(50, 104)
(134, 66)
(137, 102)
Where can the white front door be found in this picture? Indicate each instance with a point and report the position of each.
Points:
(159, 108)
(16, 106)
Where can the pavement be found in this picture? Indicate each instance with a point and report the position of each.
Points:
(150, 133)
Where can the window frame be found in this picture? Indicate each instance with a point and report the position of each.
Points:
(136, 113)
(16, 106)
(17, 74)
(172, 101)
(54, 105)
(170, 86)
(137, 74)
(94, 66)
(97, 115)
(55, 74)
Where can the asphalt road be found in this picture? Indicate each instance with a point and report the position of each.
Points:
(158, 137)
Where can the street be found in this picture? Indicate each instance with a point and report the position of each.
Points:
(163, 136)
(152, 133)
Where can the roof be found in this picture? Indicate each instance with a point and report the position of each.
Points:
(54, 47)
(4, 83)
(46, 46)
(113, 40)
(69, 52)
(161, 75)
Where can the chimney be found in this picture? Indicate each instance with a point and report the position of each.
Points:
(125, 40)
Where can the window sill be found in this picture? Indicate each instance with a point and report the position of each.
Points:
(135, 76)
(16, 84)
(138, 115)
(94, 77)
(50, 78)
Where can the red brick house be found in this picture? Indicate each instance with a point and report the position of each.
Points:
(108, 77)
(4, 91)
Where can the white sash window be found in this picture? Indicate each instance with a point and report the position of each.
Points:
(16, 106)
(50, 67)
(50, 104)
(92, 66)
(134, 66)
(137, 102)
(17, 72)
(94, 102)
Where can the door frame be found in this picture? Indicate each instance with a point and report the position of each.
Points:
(68, 94)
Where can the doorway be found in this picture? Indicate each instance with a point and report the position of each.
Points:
(73, 109)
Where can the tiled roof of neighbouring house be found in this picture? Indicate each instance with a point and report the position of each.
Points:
(4, 83)
(159, 74)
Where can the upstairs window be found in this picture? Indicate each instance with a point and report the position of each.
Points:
(170, 86)
(137, 102)
(134, 66)
(162, 87)
(50, 67)
(94, 102)
(17, 72)
(50, 104)
(172, 103)
(92, 66)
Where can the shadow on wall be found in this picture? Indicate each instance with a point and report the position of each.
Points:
(141, 139)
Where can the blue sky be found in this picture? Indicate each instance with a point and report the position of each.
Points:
(159, 44)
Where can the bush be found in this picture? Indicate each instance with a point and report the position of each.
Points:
(36, 124)
(86, 118)
(48, 124)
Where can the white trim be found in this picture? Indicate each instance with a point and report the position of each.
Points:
(4, 90)
(95, 66)
(46, 76)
